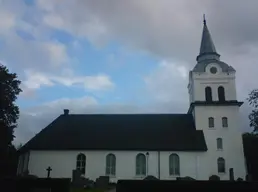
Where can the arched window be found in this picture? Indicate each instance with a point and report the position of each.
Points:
(111, 164)
(81, 163)
(221, 93)
(174, 165)
(211, 122)
(219, 143)
(140, 164)
(208, 94)
(221, 165)
(224, 122)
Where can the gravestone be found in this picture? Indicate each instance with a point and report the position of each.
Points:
(102, 182)
(248, 177)
(89, 184)
(84, 182)
(79, 181)
(231, 174)
(214, 178)
(76, 179)
(240, 179)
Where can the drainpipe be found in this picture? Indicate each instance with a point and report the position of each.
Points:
(159, 164)
(197, 168)
(147, 167)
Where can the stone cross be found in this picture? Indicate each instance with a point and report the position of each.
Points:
(49, 169)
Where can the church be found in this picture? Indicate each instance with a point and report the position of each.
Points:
(204, 141)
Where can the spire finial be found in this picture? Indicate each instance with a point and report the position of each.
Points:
(204, 20)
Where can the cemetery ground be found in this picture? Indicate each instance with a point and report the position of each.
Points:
(88, 190)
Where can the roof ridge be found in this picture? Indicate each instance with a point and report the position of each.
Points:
(38, 134)
(74, 114)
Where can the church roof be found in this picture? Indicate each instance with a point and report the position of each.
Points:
(207, 45)
(200, 67)
(208, 53)
(165, 132)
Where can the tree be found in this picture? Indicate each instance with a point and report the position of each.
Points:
(9, 113)
(250, 144)
(253, 101)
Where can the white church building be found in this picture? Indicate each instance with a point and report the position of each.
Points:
(204, 141)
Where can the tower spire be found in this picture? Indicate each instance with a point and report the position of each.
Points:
(207, 48)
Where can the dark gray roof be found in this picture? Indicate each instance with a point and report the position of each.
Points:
(168, 132)
(200, 66)
(207, 45)
(208, 53)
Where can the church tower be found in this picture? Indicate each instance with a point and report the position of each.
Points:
(214, 105)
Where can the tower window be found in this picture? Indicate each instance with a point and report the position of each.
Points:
(224, 122)
(211, 122)
(221, 93)
(219, 144)
(208, 94)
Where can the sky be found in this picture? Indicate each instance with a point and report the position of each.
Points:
(119, 56)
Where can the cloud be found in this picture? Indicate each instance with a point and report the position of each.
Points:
(36, 80)
(40, 55)
(165, 28)
(168, 86)
(26, 42)
(168, 82)
(8, 22)
(169, 30)
(34, 119)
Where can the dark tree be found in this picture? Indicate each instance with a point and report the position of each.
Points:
(18, 147)
(9, 113)
(253, 101)
(250, 143)
(250, 140)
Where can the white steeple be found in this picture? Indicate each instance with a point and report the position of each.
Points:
(214, 105)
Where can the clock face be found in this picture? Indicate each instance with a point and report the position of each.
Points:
(213, 70)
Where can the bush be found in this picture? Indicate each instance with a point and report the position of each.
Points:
(187, 178)
(31, 176)
(214, 178)
(240, 179)
(150, 177)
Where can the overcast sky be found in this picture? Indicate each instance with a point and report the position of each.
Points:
(119, 56)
